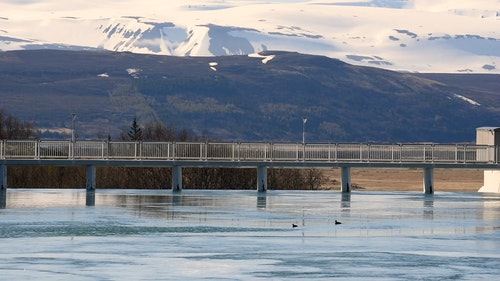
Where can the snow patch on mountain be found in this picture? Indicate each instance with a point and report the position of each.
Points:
(471, 101)
(213, 65)
(265, 59)
(134, 72)
(406, 35)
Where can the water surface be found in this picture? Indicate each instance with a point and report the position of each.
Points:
(245, 235)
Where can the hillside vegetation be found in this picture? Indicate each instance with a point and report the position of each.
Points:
(241, 98)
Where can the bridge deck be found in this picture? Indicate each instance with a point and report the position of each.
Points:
(233, 154)
(260, 155)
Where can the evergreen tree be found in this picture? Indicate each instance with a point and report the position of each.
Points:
(135, 133)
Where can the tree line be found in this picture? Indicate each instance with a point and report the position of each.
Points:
(11, 128)
(146, 177)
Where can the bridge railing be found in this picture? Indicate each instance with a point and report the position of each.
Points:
(222, 151)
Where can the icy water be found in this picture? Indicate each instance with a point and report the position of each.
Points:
(244, 235)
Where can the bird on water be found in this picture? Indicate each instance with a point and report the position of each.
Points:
(337, 222)
(294, 225)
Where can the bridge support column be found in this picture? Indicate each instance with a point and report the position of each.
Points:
(3, 198)
(90, 198)
(345, 181)
(428, 181)
(176, 178)
(3, 177)
(90, 178)
(261, 178)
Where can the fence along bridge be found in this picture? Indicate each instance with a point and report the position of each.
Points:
(261, 156)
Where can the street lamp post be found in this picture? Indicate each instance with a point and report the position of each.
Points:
(73, 117)
(304, 121)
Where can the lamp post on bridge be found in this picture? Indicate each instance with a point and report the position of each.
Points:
(304, 121)
(73, 117)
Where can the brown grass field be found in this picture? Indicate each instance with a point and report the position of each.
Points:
(403, 179)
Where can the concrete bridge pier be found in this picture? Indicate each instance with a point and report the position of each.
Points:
(3, 177)
(90, 178)
(176, 178)
(261, 178)
(345, 180)
(3, 198)
(428, 183)
(90, 198)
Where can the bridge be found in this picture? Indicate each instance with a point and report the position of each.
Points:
(97, 153)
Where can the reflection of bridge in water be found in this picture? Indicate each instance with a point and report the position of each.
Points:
(261, 156)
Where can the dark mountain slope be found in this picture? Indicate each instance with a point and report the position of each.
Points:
(241, 98)
(484, 87)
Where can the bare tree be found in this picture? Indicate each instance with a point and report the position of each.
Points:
(12, 128)
(157, 131)
(313, 178)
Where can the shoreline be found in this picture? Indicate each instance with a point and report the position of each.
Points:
(376, 179)
(406, 179)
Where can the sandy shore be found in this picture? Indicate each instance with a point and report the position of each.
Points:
(469, 180)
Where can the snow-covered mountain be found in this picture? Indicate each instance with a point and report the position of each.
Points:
(405, 35)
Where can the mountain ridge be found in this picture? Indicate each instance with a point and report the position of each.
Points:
(402, 35)
(261, 97)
